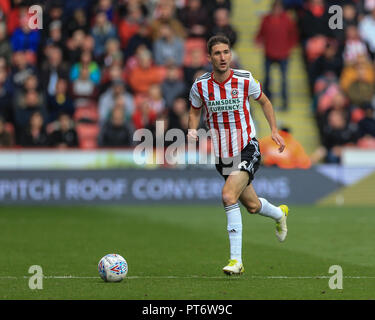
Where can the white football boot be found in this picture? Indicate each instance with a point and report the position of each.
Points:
(281, 227)
(234, 267)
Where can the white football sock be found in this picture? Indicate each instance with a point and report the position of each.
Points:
(234, 227)
(269, 210)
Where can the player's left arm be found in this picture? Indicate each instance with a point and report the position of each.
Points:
(271, 118)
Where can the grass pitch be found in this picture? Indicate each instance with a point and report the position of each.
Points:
(177, 252)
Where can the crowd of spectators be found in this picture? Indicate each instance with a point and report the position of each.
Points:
(100, 69)
(340, 64)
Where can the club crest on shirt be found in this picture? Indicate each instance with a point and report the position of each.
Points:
(234, 93)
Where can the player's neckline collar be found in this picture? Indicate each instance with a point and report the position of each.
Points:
(225, 81)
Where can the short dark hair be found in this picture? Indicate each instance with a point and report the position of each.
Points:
(215, 40)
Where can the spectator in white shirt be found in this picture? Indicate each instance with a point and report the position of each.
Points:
(367, 31)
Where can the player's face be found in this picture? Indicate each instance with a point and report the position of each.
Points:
(220, 57)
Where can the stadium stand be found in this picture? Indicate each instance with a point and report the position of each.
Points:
(94, 57)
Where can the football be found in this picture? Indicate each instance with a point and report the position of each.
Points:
(112, 268)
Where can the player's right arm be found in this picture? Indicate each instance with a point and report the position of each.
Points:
(194, 119)
(194, 113)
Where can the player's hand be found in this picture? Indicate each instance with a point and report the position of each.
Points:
(192, 135)
(278, 140)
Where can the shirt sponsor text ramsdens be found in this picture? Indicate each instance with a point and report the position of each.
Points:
(224, 105)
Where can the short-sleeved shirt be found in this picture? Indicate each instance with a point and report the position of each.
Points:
(227, 109)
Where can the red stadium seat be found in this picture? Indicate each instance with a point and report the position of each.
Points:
(194, 44)
(86, 114)
(87, 135)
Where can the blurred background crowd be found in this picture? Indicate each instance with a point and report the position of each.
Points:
(341, 71)
(100, 69)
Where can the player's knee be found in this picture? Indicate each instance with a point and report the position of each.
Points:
(228, 198)
(253, 207)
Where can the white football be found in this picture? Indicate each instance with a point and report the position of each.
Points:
(112, 268)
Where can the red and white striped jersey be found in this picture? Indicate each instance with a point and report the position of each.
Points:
(227, 109)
